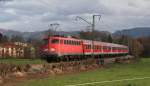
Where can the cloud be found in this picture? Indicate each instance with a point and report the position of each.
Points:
(33, 15)
(7, 16)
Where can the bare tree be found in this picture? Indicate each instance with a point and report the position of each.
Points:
(136, 48)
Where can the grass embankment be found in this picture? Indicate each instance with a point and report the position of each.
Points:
(116, 72)
(22, 61)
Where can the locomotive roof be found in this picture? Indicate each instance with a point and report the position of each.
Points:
(66, 38)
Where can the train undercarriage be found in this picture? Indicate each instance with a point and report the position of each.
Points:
(99, 58)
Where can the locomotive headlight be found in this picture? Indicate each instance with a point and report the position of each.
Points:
(52, 49)
(45, 49)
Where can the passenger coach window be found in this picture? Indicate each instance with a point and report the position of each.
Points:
(55, 41)
(65, 42)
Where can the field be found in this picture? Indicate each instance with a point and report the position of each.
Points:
(22, 61)
(115, 72)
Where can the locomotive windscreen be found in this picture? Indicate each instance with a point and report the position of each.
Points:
(45, 41)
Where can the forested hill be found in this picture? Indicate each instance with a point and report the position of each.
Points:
(134, 32)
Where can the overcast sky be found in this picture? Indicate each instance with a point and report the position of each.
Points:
(35, 15)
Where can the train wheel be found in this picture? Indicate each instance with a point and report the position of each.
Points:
(48, 59)
(58, 59)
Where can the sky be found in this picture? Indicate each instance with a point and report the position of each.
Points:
(37, 15)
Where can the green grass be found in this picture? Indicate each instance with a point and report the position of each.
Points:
(117, 71)
(22, 61)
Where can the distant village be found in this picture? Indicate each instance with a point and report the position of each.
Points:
(15, 49)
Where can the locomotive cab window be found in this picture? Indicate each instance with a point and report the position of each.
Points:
(55, 41)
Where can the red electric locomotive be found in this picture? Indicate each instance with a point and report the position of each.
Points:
(60, 48)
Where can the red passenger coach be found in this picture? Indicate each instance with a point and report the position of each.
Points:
(60, 48)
